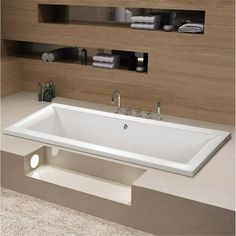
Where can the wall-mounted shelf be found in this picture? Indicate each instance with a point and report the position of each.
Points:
(33, 51)
(83, 183)
(108, 16)
(83, 173)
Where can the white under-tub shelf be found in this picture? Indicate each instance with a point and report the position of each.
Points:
(84, 183)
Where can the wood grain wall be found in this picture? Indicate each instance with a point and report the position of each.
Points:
(11, 73)
(192, 74)
(10, 76)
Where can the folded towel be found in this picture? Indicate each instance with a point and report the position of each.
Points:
(107, 58)
(191, 28)
(145, 26)
(146, 19)
(106, 65)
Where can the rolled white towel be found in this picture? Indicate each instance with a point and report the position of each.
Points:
(191, 28)
(45, 57)
(56, 55)
(146, 19)
(106, 65)
(107, 58)
(145, 26)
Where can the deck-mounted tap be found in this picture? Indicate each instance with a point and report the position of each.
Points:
(159, 109)
(114, 94)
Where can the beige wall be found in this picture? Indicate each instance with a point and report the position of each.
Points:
(11, 76)
(11, 73)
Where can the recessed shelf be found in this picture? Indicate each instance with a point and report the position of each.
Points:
(84, 183)
(34, 51)
(110, 16)
(84, 173)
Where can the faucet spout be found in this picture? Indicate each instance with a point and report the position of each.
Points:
(159, 109)
(116, 93)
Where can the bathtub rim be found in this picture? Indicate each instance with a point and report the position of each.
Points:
(115, 115)
(188, 169)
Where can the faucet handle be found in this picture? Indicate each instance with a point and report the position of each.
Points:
(114, 94)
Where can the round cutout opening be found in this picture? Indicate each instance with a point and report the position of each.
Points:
(34, 161)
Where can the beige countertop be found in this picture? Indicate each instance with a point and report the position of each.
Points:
(214, 184)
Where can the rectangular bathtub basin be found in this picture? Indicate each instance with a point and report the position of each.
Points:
(162, 145)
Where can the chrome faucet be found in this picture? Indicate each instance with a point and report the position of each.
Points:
(114, 94)
(159, 109)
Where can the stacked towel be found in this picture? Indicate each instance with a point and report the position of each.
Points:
(62, 53)
(146, 19)
(108, 61)
(104, 65)
(146, 22)
(145, 26)
(107, 58)
(191, 28)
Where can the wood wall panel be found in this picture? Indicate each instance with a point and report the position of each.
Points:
(11, 76)
(193, 74)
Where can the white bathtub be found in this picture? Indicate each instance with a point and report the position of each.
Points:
(158, 144)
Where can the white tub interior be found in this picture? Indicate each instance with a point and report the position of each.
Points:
(158, 144)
